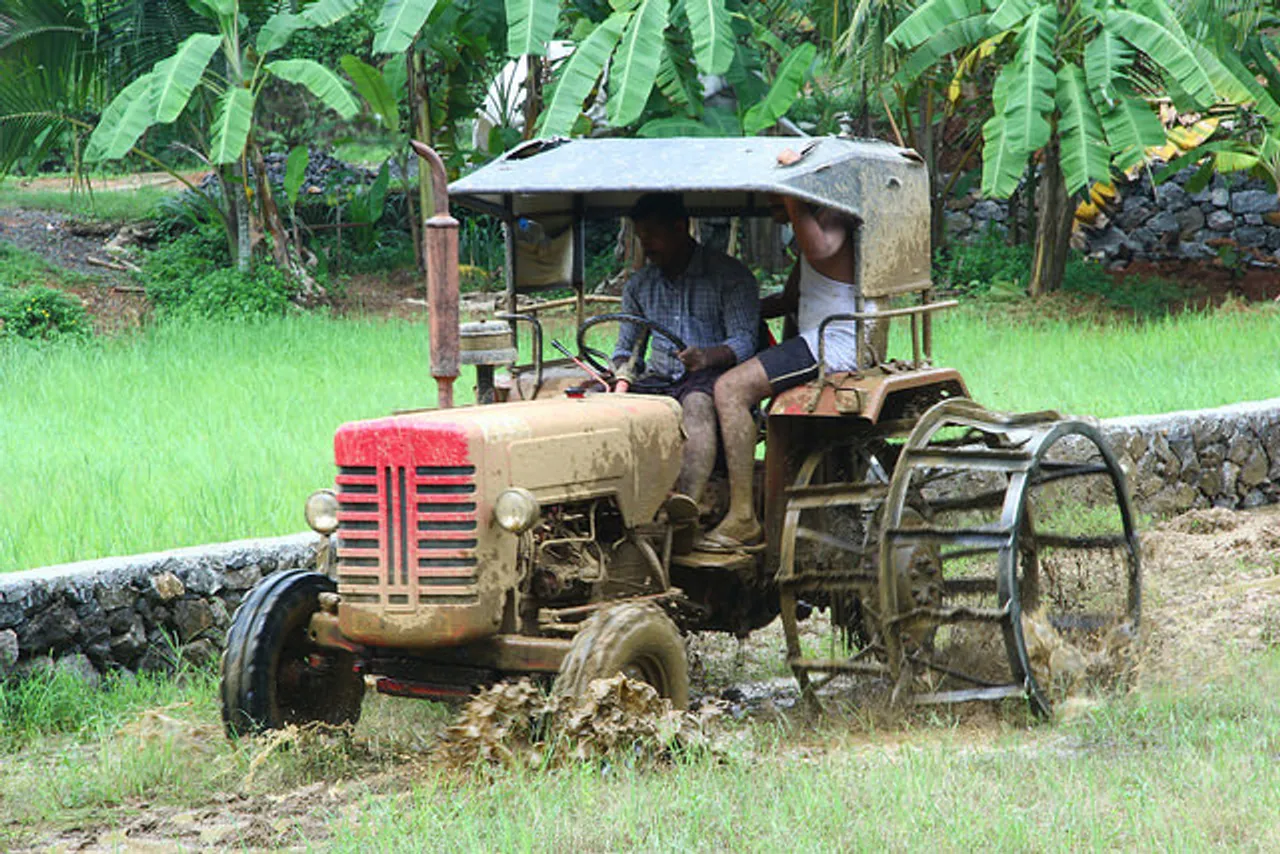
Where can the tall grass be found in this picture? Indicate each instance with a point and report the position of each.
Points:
(192, 433)
(186, 433)
(1188, 361)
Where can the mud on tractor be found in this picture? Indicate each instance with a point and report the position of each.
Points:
(962, 553)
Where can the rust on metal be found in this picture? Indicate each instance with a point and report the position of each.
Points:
(863, 393)
(440, 233)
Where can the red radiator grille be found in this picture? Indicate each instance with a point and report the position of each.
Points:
(407, 535)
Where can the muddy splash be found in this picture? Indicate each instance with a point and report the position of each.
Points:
(518, 724)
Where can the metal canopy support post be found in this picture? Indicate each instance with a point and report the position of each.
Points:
(509, 239)
(579, 272)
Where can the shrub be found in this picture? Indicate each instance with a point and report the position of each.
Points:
(1145, 296)
(975, 267)
(42, 313)
(184, 256)
(190, 275)
(226, 293)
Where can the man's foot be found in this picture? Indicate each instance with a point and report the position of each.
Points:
(731, 537)
(724, 544)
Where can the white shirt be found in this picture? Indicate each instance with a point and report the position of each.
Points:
(821, 297)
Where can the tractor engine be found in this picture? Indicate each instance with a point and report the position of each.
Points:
(451, 522)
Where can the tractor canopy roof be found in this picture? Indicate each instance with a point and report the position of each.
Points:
(717, 176)
(882, 187)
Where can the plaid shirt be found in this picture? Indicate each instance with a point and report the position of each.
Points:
(714, 301)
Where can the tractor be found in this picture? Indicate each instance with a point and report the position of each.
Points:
(962, 554)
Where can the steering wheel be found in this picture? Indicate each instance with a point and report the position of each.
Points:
(601, 362)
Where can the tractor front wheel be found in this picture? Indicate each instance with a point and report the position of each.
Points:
(634, 638)
(273, 675)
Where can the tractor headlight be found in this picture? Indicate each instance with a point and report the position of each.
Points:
(322, 511)
(516, 510)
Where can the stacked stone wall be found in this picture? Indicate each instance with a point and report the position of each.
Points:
(1234, 218)
(141, 613)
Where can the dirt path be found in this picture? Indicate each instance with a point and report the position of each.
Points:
(122, 182)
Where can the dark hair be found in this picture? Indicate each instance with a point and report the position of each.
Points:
(660, 207)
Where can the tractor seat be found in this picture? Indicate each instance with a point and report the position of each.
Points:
(872, 394)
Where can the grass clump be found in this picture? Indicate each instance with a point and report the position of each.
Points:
(986, 264)
(116, 205)
(19, 267)
(53, 701)
(191, 276)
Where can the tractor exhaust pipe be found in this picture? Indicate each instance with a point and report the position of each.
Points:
(440, 238)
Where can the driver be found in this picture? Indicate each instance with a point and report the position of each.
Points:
(709, 300)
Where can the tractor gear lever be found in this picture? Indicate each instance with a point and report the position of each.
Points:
(581, 364)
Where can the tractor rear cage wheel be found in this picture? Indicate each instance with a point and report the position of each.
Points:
(864, 496)
(1016, 447)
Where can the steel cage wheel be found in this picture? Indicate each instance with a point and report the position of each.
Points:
(1050, 588)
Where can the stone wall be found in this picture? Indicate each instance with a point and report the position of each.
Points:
(1234, 217)
(1226, 457)
(144, 612)
(149, 611)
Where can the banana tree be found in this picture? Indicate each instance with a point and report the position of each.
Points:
(658, 46)
(1070, 86)
(1234, 39)
(231, 67)
(62, 60)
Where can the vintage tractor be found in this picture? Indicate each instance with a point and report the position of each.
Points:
(962, 554)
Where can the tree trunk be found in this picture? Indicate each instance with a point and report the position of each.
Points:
(244, 239)
(231, 216)
(866, 107)
(532, 96)
(415, 217)
(1053, 225)
(286, 254)
(929, 136)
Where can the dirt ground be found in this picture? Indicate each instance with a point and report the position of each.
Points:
(1211, 595)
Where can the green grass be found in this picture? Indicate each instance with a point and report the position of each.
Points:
(22, 267)
(1181, 769)
(111, 205)
(1156, 772)
(1189, 361)
(194, 433)
(187, 433)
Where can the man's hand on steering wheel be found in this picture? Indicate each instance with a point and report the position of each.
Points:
(629, 367)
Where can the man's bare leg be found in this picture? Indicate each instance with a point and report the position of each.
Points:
(700, 444)
(736, 392)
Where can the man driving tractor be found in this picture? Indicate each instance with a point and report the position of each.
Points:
(709, 300)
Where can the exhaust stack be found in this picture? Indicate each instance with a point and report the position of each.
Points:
(440, 237)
